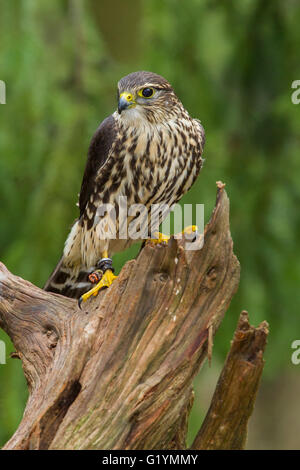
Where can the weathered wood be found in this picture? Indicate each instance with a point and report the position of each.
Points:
(225, 425)
(118, 374)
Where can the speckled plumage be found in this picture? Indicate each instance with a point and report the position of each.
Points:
(150, 154)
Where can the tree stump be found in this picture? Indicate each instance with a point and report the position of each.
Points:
(118, 373)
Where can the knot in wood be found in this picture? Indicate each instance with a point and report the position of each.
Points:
(211, 278)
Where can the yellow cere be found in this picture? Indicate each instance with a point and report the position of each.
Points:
(128, 96)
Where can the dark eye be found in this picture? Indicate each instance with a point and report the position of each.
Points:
(147, 92)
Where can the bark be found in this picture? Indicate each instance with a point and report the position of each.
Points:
(118, 374)
(225, 425)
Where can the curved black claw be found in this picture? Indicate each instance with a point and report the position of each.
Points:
(192, 236)
(80, 302)
(195, 236)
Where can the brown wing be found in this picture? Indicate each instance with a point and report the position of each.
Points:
(97, 156)
(63, 280)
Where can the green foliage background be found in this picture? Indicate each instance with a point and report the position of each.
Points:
(231, 63)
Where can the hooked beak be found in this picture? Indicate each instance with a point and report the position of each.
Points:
(125, 101)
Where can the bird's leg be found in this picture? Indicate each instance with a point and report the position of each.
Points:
(161, 238)
(102, 277)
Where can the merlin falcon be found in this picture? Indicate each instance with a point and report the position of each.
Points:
(147, 152)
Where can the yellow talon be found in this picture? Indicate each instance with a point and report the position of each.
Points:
(159, 238)
(189, 230)
(106, 281)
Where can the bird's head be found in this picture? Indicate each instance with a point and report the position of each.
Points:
(146, 95)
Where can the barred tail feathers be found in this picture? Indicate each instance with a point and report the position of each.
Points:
(69, 282)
